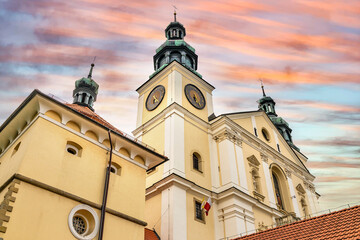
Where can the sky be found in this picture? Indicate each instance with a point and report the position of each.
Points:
(306, 52)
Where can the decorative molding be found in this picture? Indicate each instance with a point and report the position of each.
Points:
(227, 134)
(264, 157)
(288, 173)
(300, 189)
(253, 161)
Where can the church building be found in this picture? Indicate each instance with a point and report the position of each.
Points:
(66, 173)
(244, 163)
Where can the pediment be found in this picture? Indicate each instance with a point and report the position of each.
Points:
(300, 188)
(252, 159)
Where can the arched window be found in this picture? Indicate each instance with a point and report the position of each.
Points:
(197, 164)
(279, 199)
(188, 62)
(175, 56)
(162, 61)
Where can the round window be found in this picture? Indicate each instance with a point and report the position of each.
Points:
(265, 134)
(83, 222)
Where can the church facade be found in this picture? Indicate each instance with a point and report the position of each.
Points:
(64, 169)
(244, 162)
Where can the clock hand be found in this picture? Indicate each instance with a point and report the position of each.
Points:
(155, 99)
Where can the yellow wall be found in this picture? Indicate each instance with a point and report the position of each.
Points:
(42, 156)
(47, 218)
(245, 123)
(261, 217)
(154, 136)
(153, 212)
(196, 139)
(195, 229)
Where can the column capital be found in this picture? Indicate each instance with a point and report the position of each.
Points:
(288, 172)
(264, 157)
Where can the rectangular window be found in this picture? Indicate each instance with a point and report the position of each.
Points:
(278, 147)
(255, 130)
(199, 214)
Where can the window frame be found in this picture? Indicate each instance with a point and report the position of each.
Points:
(199, 203)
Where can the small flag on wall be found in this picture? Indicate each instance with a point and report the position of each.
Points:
(206, 205)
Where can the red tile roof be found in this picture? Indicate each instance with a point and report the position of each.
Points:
(343, 224)
(150, 235)
(91, 114)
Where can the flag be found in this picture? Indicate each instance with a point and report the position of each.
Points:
(206, 205)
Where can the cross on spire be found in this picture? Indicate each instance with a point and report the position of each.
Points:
(262, 87)
(174, 13)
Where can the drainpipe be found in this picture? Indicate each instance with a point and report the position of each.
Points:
(106, 188)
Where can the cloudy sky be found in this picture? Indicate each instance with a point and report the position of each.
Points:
(307, 52)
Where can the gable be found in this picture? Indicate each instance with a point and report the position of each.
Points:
(260, 125)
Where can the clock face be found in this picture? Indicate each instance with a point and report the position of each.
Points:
(155, 97)
(195, 97)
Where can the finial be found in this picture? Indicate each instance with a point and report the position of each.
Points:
(262, 87)
(91, 69)
(174, 13)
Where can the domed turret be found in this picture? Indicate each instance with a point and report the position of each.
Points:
(175, 49)
(267, 104)
(86, 90)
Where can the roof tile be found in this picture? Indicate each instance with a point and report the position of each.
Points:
(343, 224)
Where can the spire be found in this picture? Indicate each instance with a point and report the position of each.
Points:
(262, 87)
(174, 13)
(86, 90)
(91, 69)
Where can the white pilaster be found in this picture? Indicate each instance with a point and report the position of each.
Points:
(175, 89)
(310, 199)
(140, 111)
(215, 179)
(174, 144)
(269, 187)
(254, 124)
(241, 165)
(293, 197)
(173, 210)
(234, 226)
(228, 169)
(209, 103)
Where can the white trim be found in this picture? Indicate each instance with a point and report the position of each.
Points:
(140, 110)
(241, 164)
(92, 140)
(209, 101)
(73, 213)
(293, 197)
(269, 187)
(254, 126)
(174, 144)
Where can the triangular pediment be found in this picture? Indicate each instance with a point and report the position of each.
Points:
(300, 188)
(252, 159)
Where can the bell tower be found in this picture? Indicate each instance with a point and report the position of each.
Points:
(174, 105)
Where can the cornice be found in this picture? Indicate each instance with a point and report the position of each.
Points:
(171, 109)
(188, 185)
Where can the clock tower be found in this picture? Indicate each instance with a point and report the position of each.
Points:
(240, 161)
